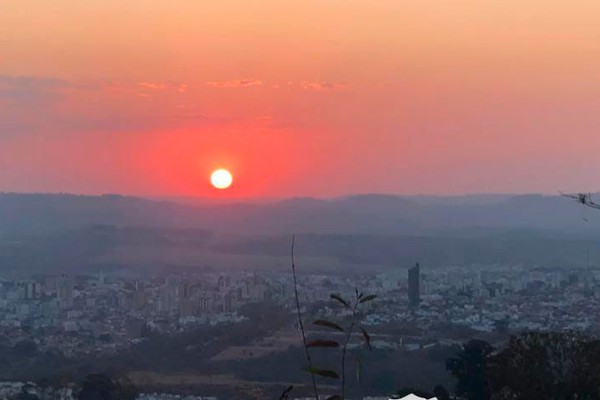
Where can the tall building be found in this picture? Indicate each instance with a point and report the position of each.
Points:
(65, 291)
(32, 290)
(414, 281)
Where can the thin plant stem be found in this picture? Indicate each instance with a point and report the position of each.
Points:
(307, 353)
(345, 348)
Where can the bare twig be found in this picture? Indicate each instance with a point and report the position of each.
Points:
(584, 199)
(307, 353)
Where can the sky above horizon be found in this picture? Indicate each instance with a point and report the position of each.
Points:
(300, 97)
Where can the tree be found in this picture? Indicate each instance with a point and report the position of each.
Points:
(27, 393)
(502, 325)
(547, 366)
(102, 387)
(25, 348)
(441, 393)
(469, 367)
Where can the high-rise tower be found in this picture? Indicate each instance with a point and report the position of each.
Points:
(414, 282)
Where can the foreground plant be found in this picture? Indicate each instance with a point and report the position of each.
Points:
(354, 327)
(348, 331)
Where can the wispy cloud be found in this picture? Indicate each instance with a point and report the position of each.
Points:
(26, 89)
(45, 105)
(323, 86)
(158, 86)
(152, 85)
(239, 83)
(147, 89)
(386, 85)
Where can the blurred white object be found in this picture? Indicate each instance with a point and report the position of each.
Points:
(411, 397)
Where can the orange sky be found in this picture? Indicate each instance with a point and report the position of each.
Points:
(299, 97)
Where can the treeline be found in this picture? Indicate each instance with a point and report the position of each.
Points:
(549, 366)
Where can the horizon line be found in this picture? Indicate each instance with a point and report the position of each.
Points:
(172, 197)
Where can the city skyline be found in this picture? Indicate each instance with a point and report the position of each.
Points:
(299, 199)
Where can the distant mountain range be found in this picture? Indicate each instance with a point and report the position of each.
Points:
(360, 214)
(60, 232)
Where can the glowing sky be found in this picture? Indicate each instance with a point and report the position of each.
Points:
(299, 97)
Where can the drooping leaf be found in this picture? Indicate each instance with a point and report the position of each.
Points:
(328, 324)
(357, 364)
(322, 343)
(368, 298)
(335, 397)
(339, 298)
(326, 373)
(367, 338)
(286, 393)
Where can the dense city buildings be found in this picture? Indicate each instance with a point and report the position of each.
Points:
(98, 314)
(78, 317)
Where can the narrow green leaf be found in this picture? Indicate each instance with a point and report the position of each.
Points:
(335, 397)
(366, 337)
(368, 298)
(328, 324)
(322, 372)
(339, 298)
(322, 343)
(358, 367)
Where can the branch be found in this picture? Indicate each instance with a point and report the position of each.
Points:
(584, 199)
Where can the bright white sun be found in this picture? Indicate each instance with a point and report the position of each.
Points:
(221, 179)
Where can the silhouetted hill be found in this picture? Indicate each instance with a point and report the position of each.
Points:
(117, 233)
(363, 214)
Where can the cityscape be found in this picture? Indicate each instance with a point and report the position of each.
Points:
(299, 200)
(79, 316)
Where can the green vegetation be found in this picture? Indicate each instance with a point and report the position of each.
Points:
(354, 307)
(550, 366)
(348, 331)
(469, 368)
(102, 387)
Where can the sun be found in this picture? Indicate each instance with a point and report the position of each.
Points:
(221, 179)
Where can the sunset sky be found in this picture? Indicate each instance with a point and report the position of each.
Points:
(299, 97)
